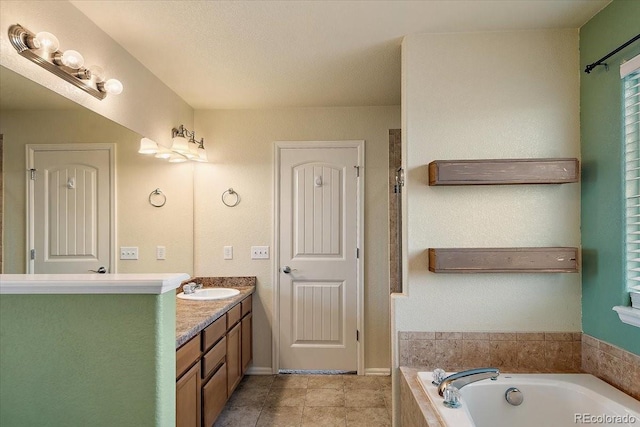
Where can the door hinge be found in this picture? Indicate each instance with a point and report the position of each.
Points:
(357, 252)
(357, 335)
(32, 174)
(32, 254)
(357, 171)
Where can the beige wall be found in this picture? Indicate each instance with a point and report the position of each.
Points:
(240, 147)
(480, 96)
(138, 223)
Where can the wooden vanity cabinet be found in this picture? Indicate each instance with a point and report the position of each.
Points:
(214, 370)
(234, 358)
(214, 395)
(188, 385)
(247, 333)
(239, 348)
(210, 366)
(247, 348)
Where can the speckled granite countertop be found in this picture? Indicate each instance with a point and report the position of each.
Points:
(193, 316)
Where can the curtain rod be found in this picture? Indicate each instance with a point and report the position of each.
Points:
(590, 67)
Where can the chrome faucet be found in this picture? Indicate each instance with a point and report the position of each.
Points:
(462, 378)
(191, 287)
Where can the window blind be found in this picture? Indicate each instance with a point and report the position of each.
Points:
(631, 84)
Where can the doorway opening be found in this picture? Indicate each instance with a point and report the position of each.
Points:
(396, 182)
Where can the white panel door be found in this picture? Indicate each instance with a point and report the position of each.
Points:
(318, 280)
(71, 211)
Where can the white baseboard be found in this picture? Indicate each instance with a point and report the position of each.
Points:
(259, 370)
(377, 371)
(263, 370)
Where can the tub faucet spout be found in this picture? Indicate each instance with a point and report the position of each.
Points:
(462, 378)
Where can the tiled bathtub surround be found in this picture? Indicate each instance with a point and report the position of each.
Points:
(508, 351)
(612, 364)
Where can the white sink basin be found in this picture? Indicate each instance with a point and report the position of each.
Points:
(209, 294)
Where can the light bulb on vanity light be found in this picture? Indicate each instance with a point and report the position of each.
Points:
(72, 59)
(46, 41)
(113, 87)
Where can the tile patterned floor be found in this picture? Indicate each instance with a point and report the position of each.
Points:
(309, 400)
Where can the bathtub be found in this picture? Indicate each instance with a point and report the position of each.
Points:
(553, 400)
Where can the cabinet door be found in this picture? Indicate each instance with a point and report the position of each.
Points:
(234, 361)
(188, 398)
(247, 348)
(214, 396)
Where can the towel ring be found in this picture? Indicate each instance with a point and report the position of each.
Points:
(230, 192)
(159, 201)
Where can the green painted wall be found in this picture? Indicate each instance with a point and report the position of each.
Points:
(602, 190)
(87, 360)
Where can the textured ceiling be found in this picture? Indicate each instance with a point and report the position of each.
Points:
(266, 54)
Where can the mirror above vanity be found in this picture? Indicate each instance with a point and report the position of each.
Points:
(32, 114)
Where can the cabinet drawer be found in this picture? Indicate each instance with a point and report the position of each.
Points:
(187, 355)
(214, 396)
(213, 332)
(246, 306)
(234, 315)
(214, 357)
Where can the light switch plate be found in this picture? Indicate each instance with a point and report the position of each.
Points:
(161, 252)
(228, 252)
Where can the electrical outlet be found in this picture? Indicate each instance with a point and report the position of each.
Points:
(161, 252)
(259, 252)
(228, 252)
(128, 252)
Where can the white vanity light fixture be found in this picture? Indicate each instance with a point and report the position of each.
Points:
(43, 49)
(177, 158)
(183, 147)
(148, 146)
(184, 142)
(163, 153)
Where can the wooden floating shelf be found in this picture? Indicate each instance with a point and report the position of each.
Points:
(503, 171)
(503, 260)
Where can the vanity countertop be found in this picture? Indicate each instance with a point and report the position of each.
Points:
(193, 316)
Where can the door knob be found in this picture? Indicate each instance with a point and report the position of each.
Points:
(100, 270)
(286, 269)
